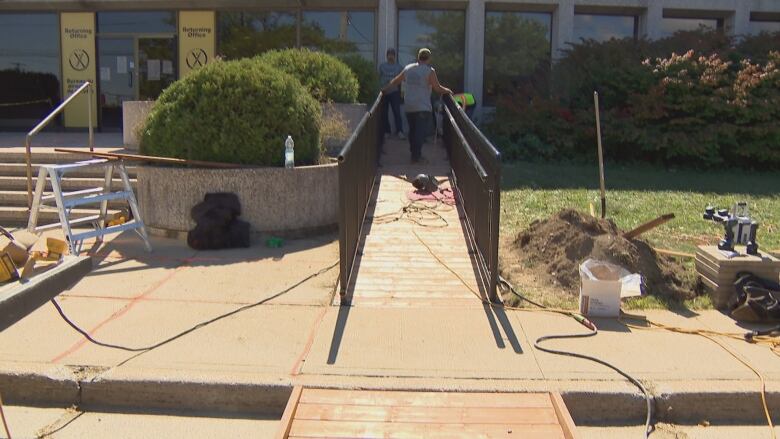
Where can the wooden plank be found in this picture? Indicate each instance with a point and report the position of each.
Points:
(648, 226)
(425, 399)
(381, 430)
(427, 415)
(564, 417)
(153, 159)
(289, 413)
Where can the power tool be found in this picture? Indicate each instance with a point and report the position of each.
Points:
(739, 227)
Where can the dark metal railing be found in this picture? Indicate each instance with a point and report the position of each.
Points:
(476, 170)
(357, 173)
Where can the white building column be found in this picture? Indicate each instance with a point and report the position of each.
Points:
(651, 22)
(563, 28)
(475, 50)
(738, 23)
(387, 27)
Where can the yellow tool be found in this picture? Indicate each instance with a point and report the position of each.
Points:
(7, 268)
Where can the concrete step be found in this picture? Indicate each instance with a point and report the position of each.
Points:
(68, 184)
(18, 215)
(20, 170)
(19, 199)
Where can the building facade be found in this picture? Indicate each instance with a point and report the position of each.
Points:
(133, 49)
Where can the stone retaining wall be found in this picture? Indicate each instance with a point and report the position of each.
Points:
(272, 199)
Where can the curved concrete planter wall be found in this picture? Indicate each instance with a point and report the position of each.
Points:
(285, 201)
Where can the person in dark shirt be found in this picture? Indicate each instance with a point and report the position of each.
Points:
(387, 71)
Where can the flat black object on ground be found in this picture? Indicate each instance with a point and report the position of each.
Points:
(217, 224)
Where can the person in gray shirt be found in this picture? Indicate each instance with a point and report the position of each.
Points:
(420, 79)
(387, 71)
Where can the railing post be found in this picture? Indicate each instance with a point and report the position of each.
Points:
(90, 93)
(28, 159)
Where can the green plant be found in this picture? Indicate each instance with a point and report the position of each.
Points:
(366, 74)
(236, 112)
(691, 108)
(326, 78)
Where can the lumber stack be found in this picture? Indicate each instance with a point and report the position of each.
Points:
(718, 272)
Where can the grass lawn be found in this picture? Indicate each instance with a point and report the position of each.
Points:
(636, 194)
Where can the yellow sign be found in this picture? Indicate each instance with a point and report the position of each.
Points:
(77, 30)
(196, 40)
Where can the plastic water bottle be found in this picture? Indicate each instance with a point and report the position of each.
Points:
(289, 152)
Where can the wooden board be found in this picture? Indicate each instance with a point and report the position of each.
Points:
(393, 268)
(325, 413)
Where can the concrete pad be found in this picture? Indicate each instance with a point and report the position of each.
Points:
(262, 339)
(121, 425)
(241, 276)
(648, 355)
(758, 356)
(447, 342)
(670, 431)
(123, 279)
(43, 336)
(28, 422)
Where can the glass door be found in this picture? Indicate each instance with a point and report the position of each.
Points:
(156, 66)
(116, 77)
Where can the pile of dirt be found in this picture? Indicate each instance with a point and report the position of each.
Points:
(554, 248)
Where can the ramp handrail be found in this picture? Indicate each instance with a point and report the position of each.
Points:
(46, 120)
(357, 165)
(476, 170)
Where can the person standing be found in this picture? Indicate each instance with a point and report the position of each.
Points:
(420, 80)
(387, 71)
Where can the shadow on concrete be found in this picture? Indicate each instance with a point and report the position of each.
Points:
(338, 333)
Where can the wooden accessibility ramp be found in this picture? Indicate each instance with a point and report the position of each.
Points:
(325, 413)
(395, 266)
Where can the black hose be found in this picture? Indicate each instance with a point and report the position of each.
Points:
(193, 328)
(593, 332)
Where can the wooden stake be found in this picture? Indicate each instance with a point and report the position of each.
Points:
(674, 253)
(642, 228)
(601, 156)
(153, 159)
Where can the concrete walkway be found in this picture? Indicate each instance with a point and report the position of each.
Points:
(245, 365)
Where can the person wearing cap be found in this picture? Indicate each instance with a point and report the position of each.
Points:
(420, 79)
(387, 71)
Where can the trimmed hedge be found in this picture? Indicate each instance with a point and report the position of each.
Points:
(367, 77)
(702, 108)
(325, 76)
(235, 112)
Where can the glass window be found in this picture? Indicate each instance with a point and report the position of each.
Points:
(246, 34)
(29, 68)
(604, 27)
(756, 27)
(444, 32)
(339, 32)
(671, 25)
(517, 53)
(136, 22)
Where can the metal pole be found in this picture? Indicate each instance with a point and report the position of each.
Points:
(28, 159)
(601, 157)
(89, 115)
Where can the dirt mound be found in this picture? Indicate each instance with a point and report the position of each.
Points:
(555, 247)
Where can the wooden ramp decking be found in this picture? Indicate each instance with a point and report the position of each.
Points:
(393, 267)
(323, 413)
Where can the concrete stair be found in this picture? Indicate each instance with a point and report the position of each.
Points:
(13, 186)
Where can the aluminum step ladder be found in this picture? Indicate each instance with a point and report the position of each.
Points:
(66, 201)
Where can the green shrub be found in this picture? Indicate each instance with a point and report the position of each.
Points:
(326, 78)
(691, 108)
(235, 112)
(367, 76)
